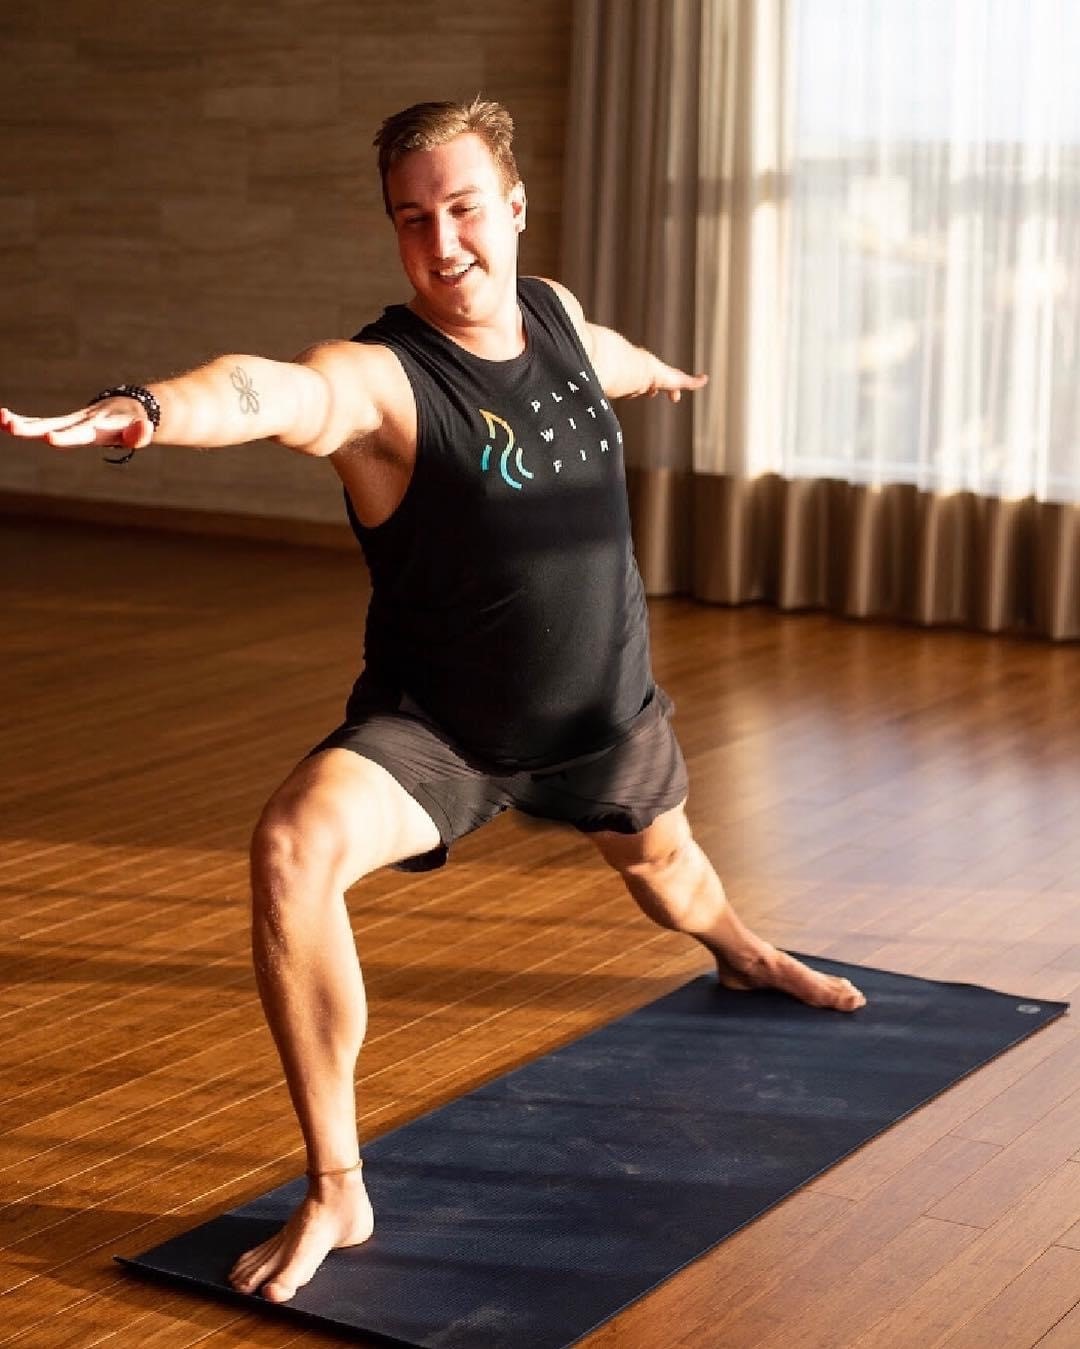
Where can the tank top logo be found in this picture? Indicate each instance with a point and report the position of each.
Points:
(499, 430)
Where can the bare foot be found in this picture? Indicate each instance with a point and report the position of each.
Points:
(766, 967)
(335, 1212)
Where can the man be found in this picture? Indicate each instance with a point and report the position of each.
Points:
(506, 645)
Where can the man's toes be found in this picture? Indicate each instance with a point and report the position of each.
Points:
(851, 998)
(247, 1280)
(277, 1290)
(242, 1271)
(281, 1283)
(253, 1258)
(240, 1274)
(254, 1266)
(247, 1262)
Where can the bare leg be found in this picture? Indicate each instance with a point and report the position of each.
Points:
(675, 884)
(338, 817)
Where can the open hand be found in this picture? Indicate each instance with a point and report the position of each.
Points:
(120, 423)
(667, 379)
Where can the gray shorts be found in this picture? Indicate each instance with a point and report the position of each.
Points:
(622, 788)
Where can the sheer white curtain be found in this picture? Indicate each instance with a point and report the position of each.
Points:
(862, 218)
(932, 276)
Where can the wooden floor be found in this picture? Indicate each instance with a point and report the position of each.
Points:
(888, 796)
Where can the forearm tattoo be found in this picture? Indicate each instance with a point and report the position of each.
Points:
(242, 383)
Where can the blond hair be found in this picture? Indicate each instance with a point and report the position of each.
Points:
(426, 125)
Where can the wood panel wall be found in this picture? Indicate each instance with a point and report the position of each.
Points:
(180, 178)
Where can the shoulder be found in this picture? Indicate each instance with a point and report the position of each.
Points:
(352, 367)
(339, 356)
(566, 297)
(368, 388)
(570, 304)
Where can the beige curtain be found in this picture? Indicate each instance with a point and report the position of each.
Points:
(696, 222)
(630, 226)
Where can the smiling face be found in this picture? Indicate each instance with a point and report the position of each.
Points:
(457, 227)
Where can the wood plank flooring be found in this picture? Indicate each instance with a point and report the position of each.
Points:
(885, 795)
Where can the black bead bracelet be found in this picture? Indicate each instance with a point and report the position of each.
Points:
(141, 395)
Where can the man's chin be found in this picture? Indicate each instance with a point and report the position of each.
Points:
(462, 302)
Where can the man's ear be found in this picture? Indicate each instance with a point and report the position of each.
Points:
(518, 205)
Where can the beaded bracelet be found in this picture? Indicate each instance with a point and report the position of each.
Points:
(141, 395)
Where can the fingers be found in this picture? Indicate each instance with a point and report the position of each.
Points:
(36, 427)
(684, 383)
(104, 424)
(677, 383)
(676, 391)
(141, 434)
(67, 437)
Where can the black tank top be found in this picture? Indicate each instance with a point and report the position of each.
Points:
(506, 600)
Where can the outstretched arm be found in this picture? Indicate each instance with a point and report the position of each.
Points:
(625, 371)
(313, 404)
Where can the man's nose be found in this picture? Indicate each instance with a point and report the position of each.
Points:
(445, 237)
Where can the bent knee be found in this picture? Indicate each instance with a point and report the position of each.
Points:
(663, 864)
(299, 849)
(665, 847)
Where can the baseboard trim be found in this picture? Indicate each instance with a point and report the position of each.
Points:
(177, 520)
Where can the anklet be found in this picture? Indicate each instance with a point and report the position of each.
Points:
(340, 1171)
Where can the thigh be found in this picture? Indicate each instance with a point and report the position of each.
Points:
(353, 809)
(457, 794)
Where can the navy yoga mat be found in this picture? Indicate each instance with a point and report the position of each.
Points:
(528, 1212)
